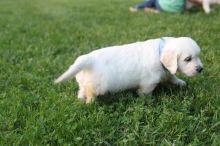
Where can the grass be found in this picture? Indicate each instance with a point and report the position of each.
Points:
(40, 39)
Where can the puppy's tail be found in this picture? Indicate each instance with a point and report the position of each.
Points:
(82, 62)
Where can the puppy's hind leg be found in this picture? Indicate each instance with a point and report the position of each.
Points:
(86, 86)
(80, 77)
(90, 93)
(81, 94)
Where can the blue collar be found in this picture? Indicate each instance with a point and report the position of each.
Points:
(161, 46)
(161, 49)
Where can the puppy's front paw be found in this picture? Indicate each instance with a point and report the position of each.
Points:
(176, 81)
(180, 83)
(207, 11)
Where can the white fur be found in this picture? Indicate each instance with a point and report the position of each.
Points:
(206, 4)
(136, 65)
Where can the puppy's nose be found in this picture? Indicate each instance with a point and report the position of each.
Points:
(199, 69)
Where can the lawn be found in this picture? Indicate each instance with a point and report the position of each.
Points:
(39, 39)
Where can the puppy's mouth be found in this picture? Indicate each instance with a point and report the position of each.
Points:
(195, 71)
(192, 73)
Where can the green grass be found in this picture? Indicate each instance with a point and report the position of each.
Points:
(40, 39)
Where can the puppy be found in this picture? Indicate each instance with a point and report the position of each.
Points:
(206, 4)
(140, 65)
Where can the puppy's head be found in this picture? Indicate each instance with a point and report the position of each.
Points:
(215, 1)
(182, 54)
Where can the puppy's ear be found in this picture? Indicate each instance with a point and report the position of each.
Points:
(169, 60)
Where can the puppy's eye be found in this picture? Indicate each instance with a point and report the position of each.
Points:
(188, 59)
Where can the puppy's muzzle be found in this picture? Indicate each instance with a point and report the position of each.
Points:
(199, 69)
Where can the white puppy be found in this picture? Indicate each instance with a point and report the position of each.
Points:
(206, 4)
(139, 65)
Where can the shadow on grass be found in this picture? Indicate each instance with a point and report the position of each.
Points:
(194, 10)
(162, 90)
